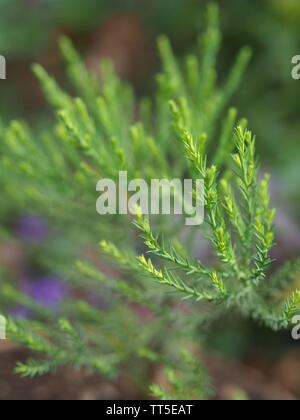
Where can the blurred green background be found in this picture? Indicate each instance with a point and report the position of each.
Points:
(126, 31)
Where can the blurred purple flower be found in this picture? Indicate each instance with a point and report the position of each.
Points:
(31, 228)
(20, 312)
(48, 291)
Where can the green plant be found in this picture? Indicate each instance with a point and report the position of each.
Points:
(95, 136)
